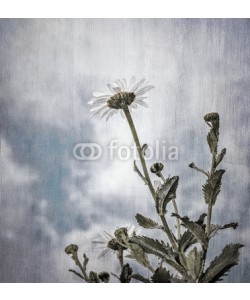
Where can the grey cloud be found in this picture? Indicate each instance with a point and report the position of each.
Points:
(49, 68)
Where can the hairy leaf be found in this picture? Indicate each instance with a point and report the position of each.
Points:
(161, 275)
(153, 246)
(194, 262)
(138, 253)
(220, 156)
(195, 229)
(187, 240)
(201, 219)
(212, 141)
(212, 187)
(159, 249)
(146, 222)
(215, 228)
(222, 263)
(166, 192)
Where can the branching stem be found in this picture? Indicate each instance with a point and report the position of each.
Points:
(145, 171)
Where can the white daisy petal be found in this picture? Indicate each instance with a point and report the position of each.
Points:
(120, 84)
(99, 110)
(133, 105)
(106, 96)
(105, 112)
(110, 114)
(144, 90)
(112, 89)
(96, 103)
(142, 103)
(140, 98)
(138, 84)
(104, 252)
(102, 102)
(99, 242)
(117, 89)
(131, 82)
(99, 94)
(124, 81)
(93, 109)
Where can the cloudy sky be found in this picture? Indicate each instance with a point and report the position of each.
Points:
(48, 72)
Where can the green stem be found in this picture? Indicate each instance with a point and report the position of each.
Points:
(209, 208)
(145, 171)
(120, 257)
(168, 232)
(139, 150)
(83, 270)
(209, 216)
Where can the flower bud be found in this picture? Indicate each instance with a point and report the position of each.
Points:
(121, 234)
(156, 167)
(104, 277)
(192, 165)
(71, 249)
(213, 120)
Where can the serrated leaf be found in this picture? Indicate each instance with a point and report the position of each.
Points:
(146, 222)
(212, 187)
(220, 157)
(212, 141)
(159, 249)
(153, 246)
(222, 263)
(166, 192)
(201, 219)
(138, 254)
(194, 262)
(187, 239)
(215, 228)
(161, 275)
(195, 229)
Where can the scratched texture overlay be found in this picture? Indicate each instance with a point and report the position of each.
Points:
(49, 69)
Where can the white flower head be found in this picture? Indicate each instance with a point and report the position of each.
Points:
(109, 243)
(119, 94)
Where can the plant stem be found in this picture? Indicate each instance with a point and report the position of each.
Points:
(139, 150)
(210, 206)
(120, 257)
(168, 232)
(178, 223)
(145, 171)
(75, 258)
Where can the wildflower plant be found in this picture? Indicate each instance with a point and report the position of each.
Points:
(182, 255)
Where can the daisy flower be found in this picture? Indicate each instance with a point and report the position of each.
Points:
(119, 94)
(109, 243)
